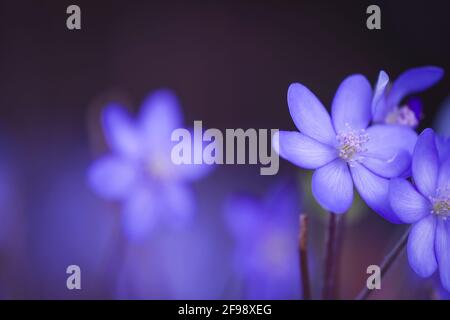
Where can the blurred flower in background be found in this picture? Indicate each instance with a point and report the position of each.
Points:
(427, 206)
(139, 172)
(442, 119)
(343, 149)
(7, 188)
(442, 128)
(265, 233)
(71, 226)
(177, 264)
(12, 227)
(387, 97)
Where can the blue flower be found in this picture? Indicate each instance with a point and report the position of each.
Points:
(342, 149)
(426, 205)
(177, 264)
(442, 119)
(387, 99)
(443, 147)
(265, 234)
(139, 172)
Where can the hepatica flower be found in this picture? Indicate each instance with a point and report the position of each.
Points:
(139, 172)
(426, 205)
(343, 149)
(387, 103)
(265, 233)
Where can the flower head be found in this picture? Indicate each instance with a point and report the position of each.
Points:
(139, 172)
(426, 205)
(387, 104)
(343, 149)
(265, 234)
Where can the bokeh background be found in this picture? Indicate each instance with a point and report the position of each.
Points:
(230, 64)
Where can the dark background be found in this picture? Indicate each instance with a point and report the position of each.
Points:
(230, 63)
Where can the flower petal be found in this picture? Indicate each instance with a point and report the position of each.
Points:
(444, 176)
(425, 163)
(352, 104)
(409, 205)
(390, 167)
(139, 213)
(443, 251)
(413, 81)
(389, 149)
(309, 114)
(160, 115)
(442, 119)
(379, 97)
(421, 246)
(443, 147)
(374, 190)
(192, 171)
(112, 177)
(332, 186)
(179, 203)
(387, 140)
(120, 131)
(302, 150)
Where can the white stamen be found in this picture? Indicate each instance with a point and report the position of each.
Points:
(404, 116)
(351, 144)
(441, 203)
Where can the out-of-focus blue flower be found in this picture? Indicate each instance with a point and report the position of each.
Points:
(343, 149)
(442, 128)
(442, 119)
(443, 147)
(426, 205)
(177, 264)
(139, 172)
(386, 102)
(265, 233)
(10, 228)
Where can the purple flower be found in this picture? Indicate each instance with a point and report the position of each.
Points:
(343, 149)
(265, 234)
(442, 119)
(387, 99)
(139, 172)
(426, 205)
(443, 147)
(177, 264)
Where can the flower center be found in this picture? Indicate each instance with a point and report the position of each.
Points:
(441, 203)
(403, 116)
(351, 144)
(156, 168)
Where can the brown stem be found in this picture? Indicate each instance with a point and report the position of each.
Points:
(303, 248)
(329, 290)
(387, 263)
